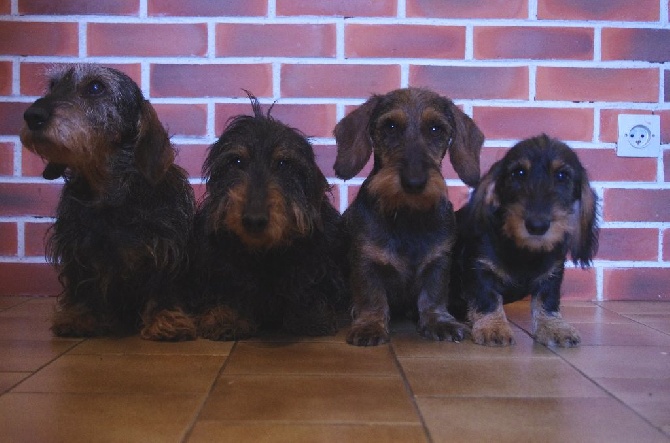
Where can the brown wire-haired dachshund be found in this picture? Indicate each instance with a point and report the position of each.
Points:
(124, 217)
(268, 241)
(529, 211)
(401, 224)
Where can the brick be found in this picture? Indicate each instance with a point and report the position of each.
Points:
(410, 41)
(609, 122)
(519, 123)
(605, 165)
(11, 117)
(458, 196)
(312, 120)
(275, 40)
(467, 10)
(8, 239)
(342, 81)
(35, 239)
(666, 245)
(21, 199)
(183, 119)
(6, 158)
(5, 78)
(666, 165)
(5, 7)
(597, 84)
(207, 8)
(130, 39)
(466, 82)
(636, 205)
(191, 157)
(612, 10)
(79, 7)
(652, 45)
(579, 284)
(628, 244)
(665, 124)
(63, 38)
(637, 284)
(350, 8)
(33, 76)
(325, 158)
(531, 42)
(168, 80)
(199, 190)
(31, 164)
(28, 279)
(666, 86)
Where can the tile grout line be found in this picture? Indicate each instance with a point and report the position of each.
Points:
(196, 417)
(410, 393)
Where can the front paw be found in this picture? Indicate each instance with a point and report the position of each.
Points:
(169, 325)
(75, 321)
(368, 334)
(441, 330)
(557, 332)
(492, 330)
(225, 324)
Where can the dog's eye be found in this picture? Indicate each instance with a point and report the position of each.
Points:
(282, 163)
(518, 174)
(562, 176)
(390, 125)
(436, 130)
(235, 161)
(95, 88)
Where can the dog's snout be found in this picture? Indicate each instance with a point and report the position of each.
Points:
(36, 117)
(255, 222)
(537, 226)
(414, 184)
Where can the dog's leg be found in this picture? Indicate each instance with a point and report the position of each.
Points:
(225, 323)
(491, 328)
(167, 325)
(75, 321)
(435, 322)
(549, 328)
(371, 309)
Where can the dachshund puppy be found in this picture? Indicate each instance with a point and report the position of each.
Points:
(268, 240)
(401, 225)
(529, 211)
(125, 213)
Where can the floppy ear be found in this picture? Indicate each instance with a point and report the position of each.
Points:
(584, 244)
(354, 146)
(465, 147)
(484, 199)
(153, 152)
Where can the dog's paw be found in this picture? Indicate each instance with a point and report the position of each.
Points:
(450, 330)
(496, 333)
(224, 324)
(170, 325)
(367, 334)
(557, 332)
(75, 321)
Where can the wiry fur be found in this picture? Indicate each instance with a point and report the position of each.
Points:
(268, 242)
(124, 217)
(401, 225)
(532, 209)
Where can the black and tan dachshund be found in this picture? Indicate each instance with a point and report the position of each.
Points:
(532, 209)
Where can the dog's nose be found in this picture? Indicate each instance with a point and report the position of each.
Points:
(536, 226)
(36, 117)
(255, 222)
(414, 185)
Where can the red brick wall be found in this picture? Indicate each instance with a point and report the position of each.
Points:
(518, 67)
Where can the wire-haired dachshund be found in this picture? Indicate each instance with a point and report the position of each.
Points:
(401, 224)
(125, 213)
(268, 240)
(528, 212)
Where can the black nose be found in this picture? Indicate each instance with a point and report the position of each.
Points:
(255, 222)
(536, 226)
(36, 117)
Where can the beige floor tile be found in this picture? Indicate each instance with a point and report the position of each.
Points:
(660, 322)
(260, 432)
(572, 312)
(409, 344)
(106, 373)
(136, 345)
(636, 307)
(87, 418)
(10, 379)
(620, 361)
(535, 420)
(310, 358)
(8, 302)
(650, 397)
(502, 377)
(30, 355)
(323, 399)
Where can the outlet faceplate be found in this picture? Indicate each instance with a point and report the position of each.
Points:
(639, 135)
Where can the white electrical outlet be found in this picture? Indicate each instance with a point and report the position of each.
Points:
(639, 135)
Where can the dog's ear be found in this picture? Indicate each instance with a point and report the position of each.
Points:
(465, 147)
(584, 244)
(153, 152)
(484, 199)
(354, 146)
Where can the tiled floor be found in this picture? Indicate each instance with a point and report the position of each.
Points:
(615, 387)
